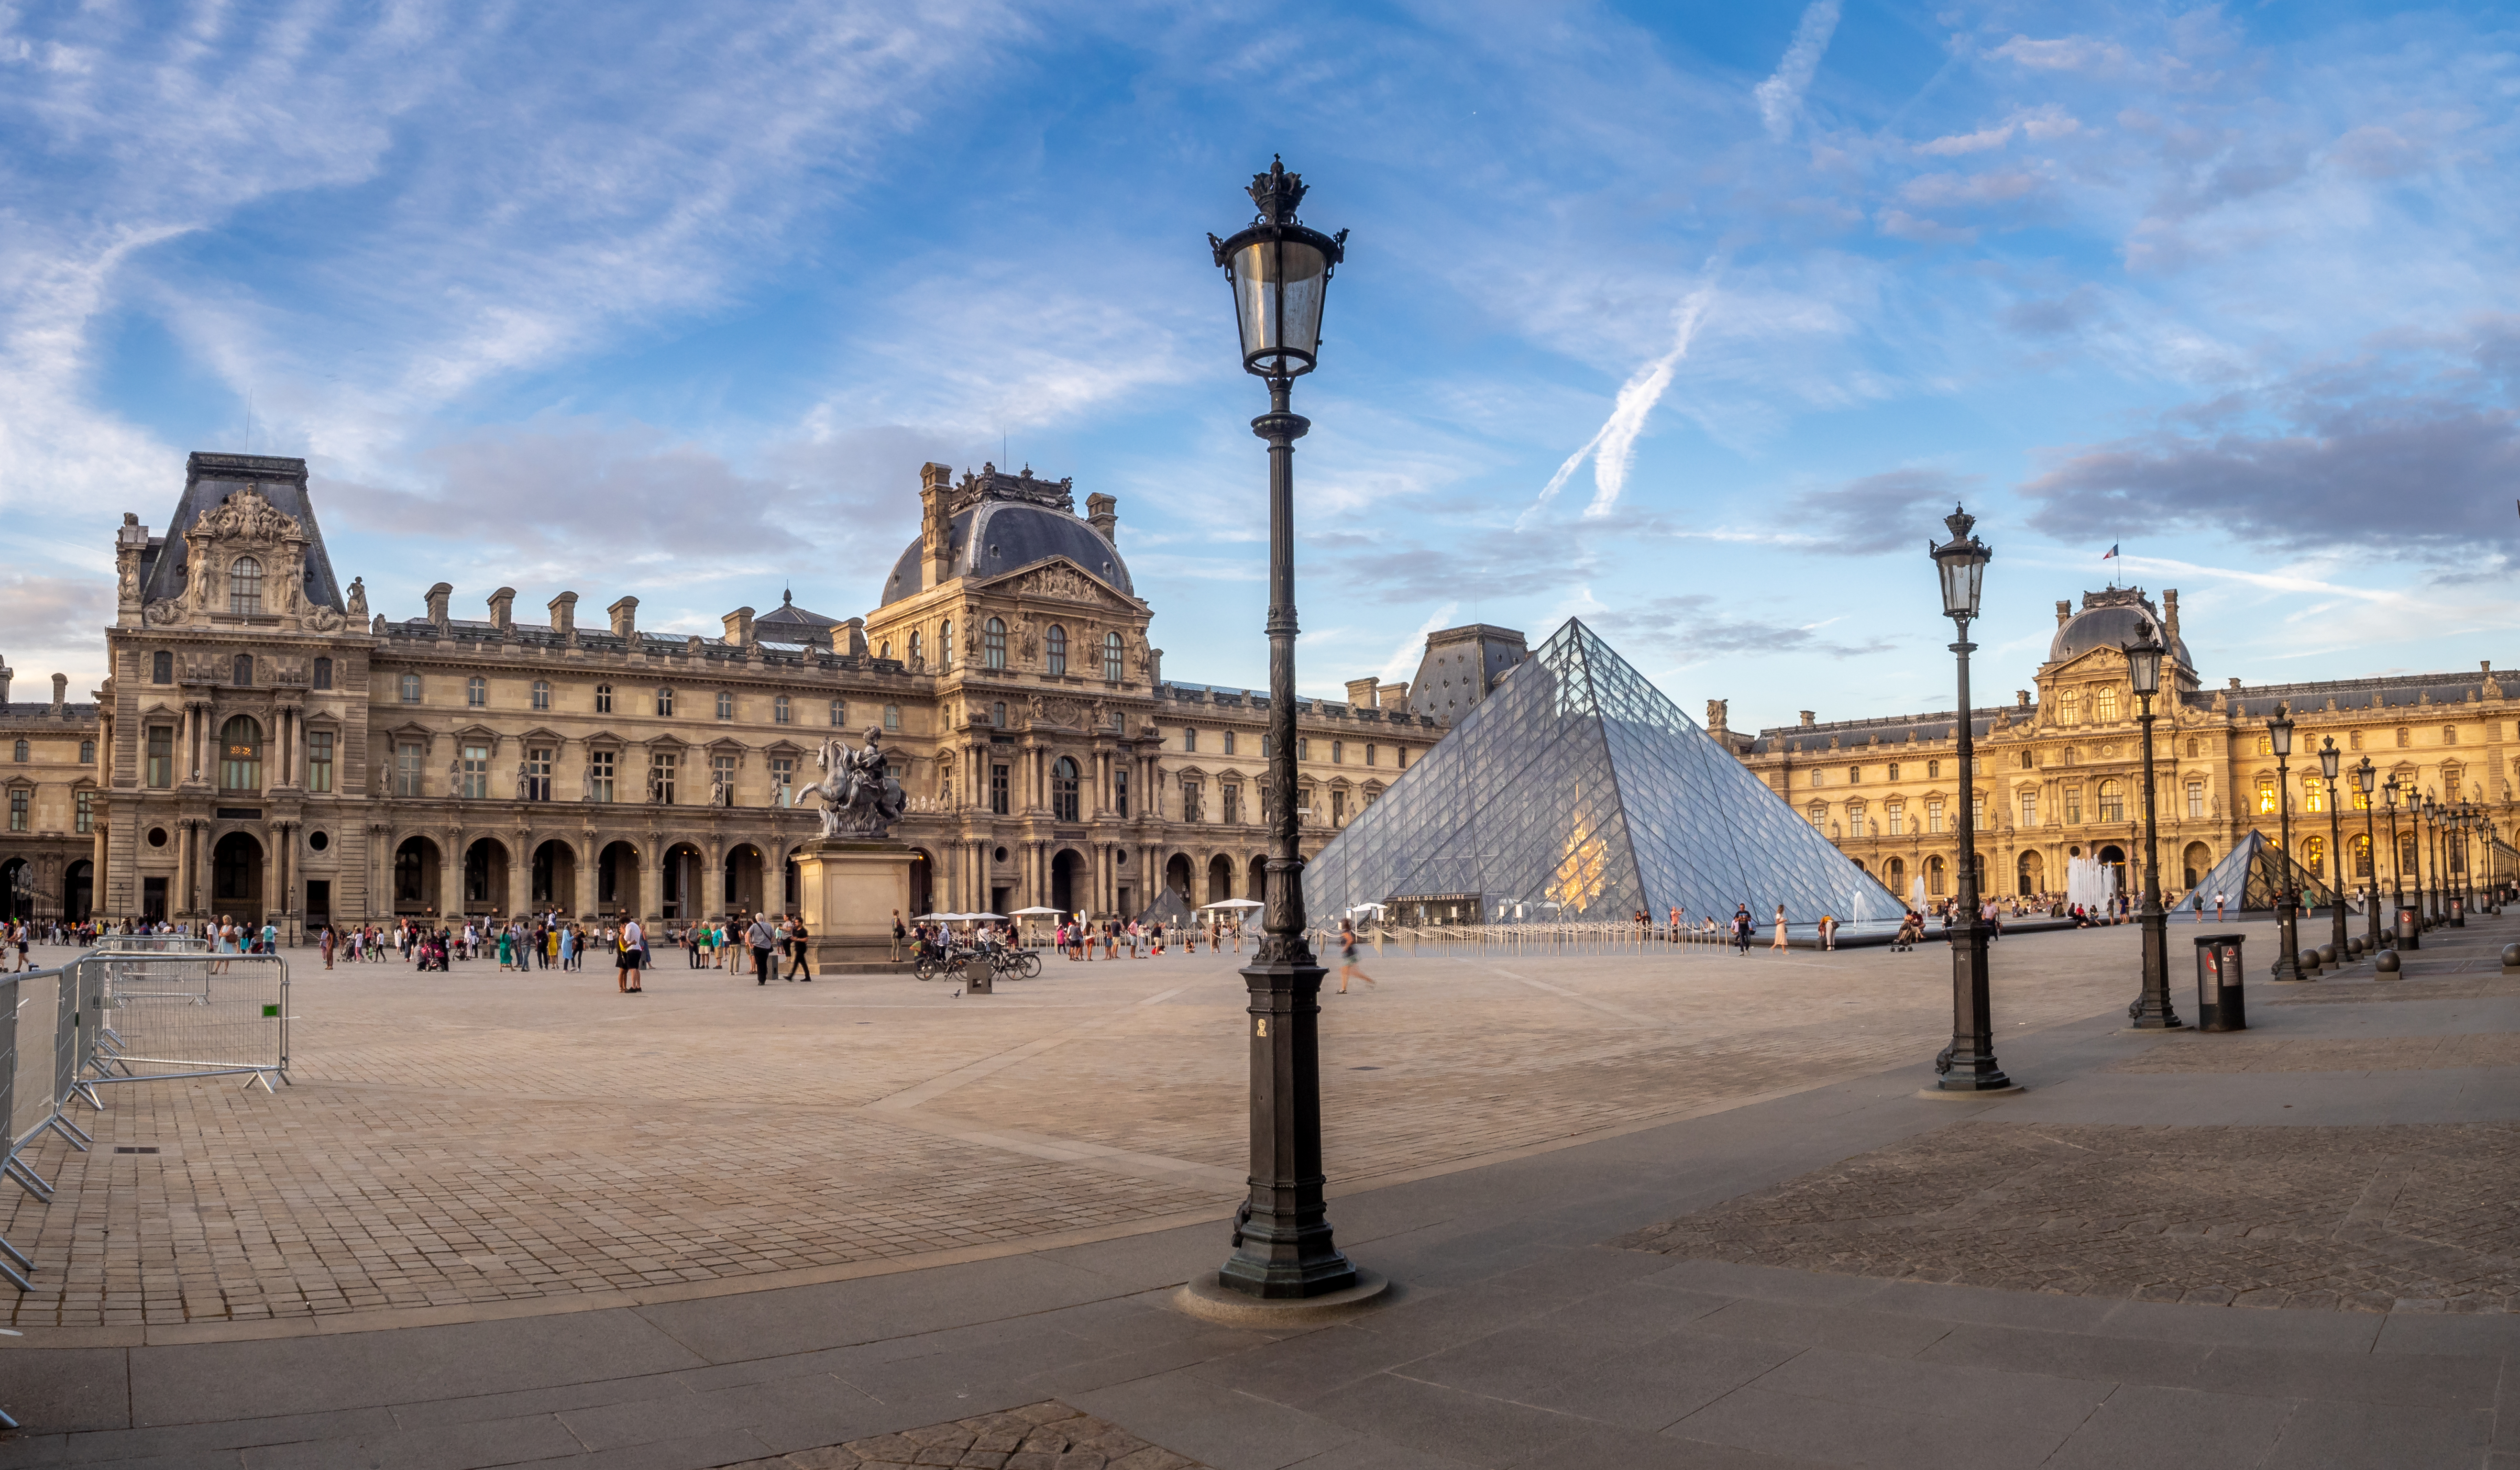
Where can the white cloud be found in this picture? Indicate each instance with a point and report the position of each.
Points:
(1781, 96)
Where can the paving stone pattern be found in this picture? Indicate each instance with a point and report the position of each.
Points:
(2254, 1053)
(2404, 1217)
(476, 1140)
(1045, 1436)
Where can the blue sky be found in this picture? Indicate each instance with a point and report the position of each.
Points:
(1688, 320)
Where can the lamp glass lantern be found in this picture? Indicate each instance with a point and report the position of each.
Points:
(2144, 661)
(2389, 792)
(2366, 775)
(2279, 731)
(1962, 562)
(1281, 274)
(2328, 755)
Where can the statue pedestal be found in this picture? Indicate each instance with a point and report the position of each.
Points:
(847, 889)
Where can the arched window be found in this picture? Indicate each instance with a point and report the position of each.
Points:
(542, 694)
(884, 652)
(477, 690)
(245, 670)
(411, 689)
(993, 644)
(1063, 790)
(892, 716)
(1934, 876)
(2360, 849)
(2104, 705)
(23, 750)
(840, 712)
(244, 585)
(1111, 657)
(1057, 649)
(1338, 753)
(945, 647)
(2069, 709)
(778, 710)
(240, 754)
(323, 674)
(664, 704)
(2112, 800)
(917, 654)
(602, 699)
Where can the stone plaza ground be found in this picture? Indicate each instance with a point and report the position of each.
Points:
(1671, 1207)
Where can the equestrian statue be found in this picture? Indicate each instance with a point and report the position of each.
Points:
(859, 798)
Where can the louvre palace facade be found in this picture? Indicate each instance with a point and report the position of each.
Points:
(265, 744)
(2060, 770)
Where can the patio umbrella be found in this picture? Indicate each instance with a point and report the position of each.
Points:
(1234, 903)
(1037, 913)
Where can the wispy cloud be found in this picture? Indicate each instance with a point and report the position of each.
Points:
(1612, 447)
(1781, 96)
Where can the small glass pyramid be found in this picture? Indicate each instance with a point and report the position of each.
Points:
(1577, 790)
(2250, 875)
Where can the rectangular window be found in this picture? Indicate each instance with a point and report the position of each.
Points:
(1232, 805)
(1229, 742)
(161, 770)
(1303, 748)
(998, 790)
(2030, 809)
(2196, 799)
(538, 774)
(407, 768)
(1120, 793)
(2073, 803)
(18, 810)
(1191, 802)
(319, 760)
(161, 669)
(1853, 821)
(1894, 770)
(1933, 816)
(323, 674)
(722, 775)
(2266, 796)
(599, 775)
(783, 780)
(85, 819)
(661, 765)
(1977, 811)
(1933, 770)
(1189, 740)
(477, 772)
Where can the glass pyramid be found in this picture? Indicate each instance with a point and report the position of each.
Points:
(2249, 877)
(1577, 790)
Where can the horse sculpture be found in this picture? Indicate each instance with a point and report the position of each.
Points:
(859, 798)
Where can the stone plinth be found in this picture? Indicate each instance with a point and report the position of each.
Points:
(848, 890)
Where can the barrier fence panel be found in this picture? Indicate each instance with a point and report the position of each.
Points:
(174, 1015)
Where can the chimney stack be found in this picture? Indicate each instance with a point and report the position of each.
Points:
(503, 609)
(2170, 620)
(1359, 693)
(2065, 609)
(1809, 719)
(856, 629)
(1393, 696)
(935, 525)
(6, 674)
(738, 627)
(2021, 697)
(61, 693)
(1102, 513)
(563, 616)
(437, 596)
(626, 619)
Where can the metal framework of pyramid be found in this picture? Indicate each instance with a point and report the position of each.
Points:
(2250, 875)
(1577, 790)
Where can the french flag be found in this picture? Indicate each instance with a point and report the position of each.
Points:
(2112, 551)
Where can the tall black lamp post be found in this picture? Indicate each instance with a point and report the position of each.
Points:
(2366, 777)
(2406, 930)
(2427, 858)
(2287, 900)
(2463, 817)
(1280, 271)
(2151, 1010)
(2328, 757)
(1969, 1064)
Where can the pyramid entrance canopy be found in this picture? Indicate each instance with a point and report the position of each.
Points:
(2250, 875)
(1577, 790)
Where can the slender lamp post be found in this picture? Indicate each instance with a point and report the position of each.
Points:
(2427, 857)
(2397, 870)
(1280, 271)
(2328, 757)
(2366, 777)
(1969, 1064)
(2153, 1010)
(2287, 925)
(2461, 821)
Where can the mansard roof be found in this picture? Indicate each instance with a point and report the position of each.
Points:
(208, 480)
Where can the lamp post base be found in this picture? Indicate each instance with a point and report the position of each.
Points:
(1211, 1300)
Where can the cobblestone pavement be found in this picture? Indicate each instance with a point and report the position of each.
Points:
(2404, 1217)
(1045, 1436)
(482, 1141)
(2253, 1053)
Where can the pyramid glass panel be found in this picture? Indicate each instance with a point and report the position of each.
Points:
(1577, 790)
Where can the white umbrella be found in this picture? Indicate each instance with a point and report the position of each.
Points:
(1234, 903)
(936, 918)
(1038, 913)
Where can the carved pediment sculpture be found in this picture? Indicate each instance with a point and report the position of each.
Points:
(163, 611)
(1062, 581)
(323, 619)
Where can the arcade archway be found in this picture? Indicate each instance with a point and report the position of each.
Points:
(235, 878)
(415, 876)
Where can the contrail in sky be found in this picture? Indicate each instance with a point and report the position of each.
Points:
(1613, 446)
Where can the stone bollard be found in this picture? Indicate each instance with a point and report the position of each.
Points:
(2384, 965)
(2511, 959)
(2327, 956)
(2309, 961)
(2355, 947)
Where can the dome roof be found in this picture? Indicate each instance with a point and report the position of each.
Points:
(998, 537)
(2111, 621)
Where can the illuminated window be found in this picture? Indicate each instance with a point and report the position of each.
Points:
(2196, 799)
(2069, 709)
(240, 754)
(2313, 794)
(2112, 801)
(2265, 795)
(2104, 704)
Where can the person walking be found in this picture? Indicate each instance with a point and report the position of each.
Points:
(1347, 956)
(797, 950)
(633, 957)
(328, 946)
(1778, 940)
(2218, 908)
(763, 939)
(1743, 929)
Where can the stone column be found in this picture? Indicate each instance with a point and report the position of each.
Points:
(520, 872)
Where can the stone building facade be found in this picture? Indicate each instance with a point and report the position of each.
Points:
(49, 768)
(269, 745)
(2060, 770)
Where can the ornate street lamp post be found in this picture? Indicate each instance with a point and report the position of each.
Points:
(2328, 755)
(2366, 776)
(2287, 901)
(1969, 1064)
(2401, 924)
(2463, 817)
(2427, 857)
(2151, 1010)
(1280, 271)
